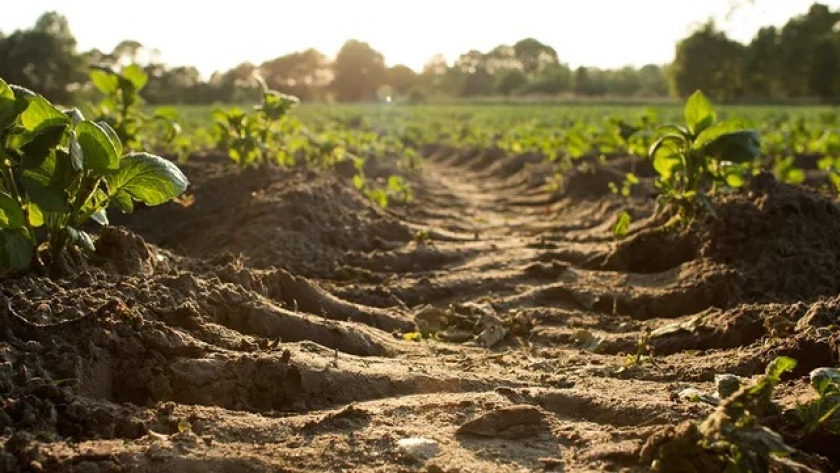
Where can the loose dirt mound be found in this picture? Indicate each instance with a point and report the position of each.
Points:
(301, 220)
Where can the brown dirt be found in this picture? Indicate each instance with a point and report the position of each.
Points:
(259, 328)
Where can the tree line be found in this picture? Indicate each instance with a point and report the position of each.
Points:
(800, 60)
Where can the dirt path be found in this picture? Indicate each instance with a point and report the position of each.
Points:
(225, 368)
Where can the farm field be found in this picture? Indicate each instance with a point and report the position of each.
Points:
(425, 288)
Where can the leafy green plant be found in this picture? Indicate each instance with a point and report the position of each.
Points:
(644, 351)
(398, 189)
(622, 225)
(699, 157)
(257, 138)
(823, 413)
(59, 171)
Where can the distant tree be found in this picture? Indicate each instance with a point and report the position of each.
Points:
(807, 53)
(624, 82)
(234, 85)
(511, 81)
(43, 58)
(534, 56)
(359, 72)
(304, 74)
(652, 81)
(401, 78)
(710, 61)
(761, 68)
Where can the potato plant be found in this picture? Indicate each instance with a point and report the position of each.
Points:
(60, 171)
(700, 156)
(122, 109)
(259, 137)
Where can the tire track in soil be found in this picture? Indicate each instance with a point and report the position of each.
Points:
(341, 388)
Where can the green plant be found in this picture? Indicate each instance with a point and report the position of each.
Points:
(622, 225)
(644, 351)
(259, 137)
(822, 413)
(59, 171)
(397, 189)
(694, 159)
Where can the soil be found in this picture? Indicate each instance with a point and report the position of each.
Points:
(258, 325)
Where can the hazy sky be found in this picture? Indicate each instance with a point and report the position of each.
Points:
(216, 34)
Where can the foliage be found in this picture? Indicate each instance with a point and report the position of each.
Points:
(704, 154)
(258, 137)
(59, 171)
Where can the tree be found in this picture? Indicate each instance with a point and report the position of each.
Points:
(43, 58)
(305, 74)
(652, 81)
(761, 65)
(806, 48)
(710, 61)
(510, 82)
(534, 56)
(359, 72)
(401, 78)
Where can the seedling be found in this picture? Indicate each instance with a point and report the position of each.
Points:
(59, 171)
(694, 159)
(121, 108)
(257, 138)
(644, 351)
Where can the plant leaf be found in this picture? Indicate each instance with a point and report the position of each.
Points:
(738, 147)
(622, 225)
(11, 215)
(112, 134)
(40, 115)
(699, 113)
(780, 366)
(147, 178)
(16, 250)
(136, 75)
(105, 80)
(99, 152)
(8, 108)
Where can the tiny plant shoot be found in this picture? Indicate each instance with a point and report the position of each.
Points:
(698, 157)
(59, 171)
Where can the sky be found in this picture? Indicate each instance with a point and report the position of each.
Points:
(218, 34)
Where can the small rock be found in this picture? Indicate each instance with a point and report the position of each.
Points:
(509, 423)
(418, 448)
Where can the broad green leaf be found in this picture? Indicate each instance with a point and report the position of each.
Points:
(136, 75)
(16, 249)
(40, 115)
(123, 202)
(666, 160)
(36, 147)
(147, 178)
(105, 80)
(99, 152)
(112, 134)
(36, 215)
(168, 113)
(8, 110)
(622, 225)
(718, 129)
(699, 113)
(739, 146)
(46, 183)
(11, 215)
(780, 366)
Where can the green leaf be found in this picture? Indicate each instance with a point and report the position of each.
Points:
(136, 75)
(780, 366)
(40, 115)
(36, 215)
(16, 251)
(123, 201)
(105, 80)
(11, 215)
(147, 178)
(81, 239)
(112, 134)
(738, 147)
(699, 113)
(36, 147)
(622, 225)
(99, 152)
(46, 183)
(77, 155)
(667, 160)
(8, 109)
(718, 129)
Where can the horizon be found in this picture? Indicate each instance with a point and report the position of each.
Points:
(415, 33)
